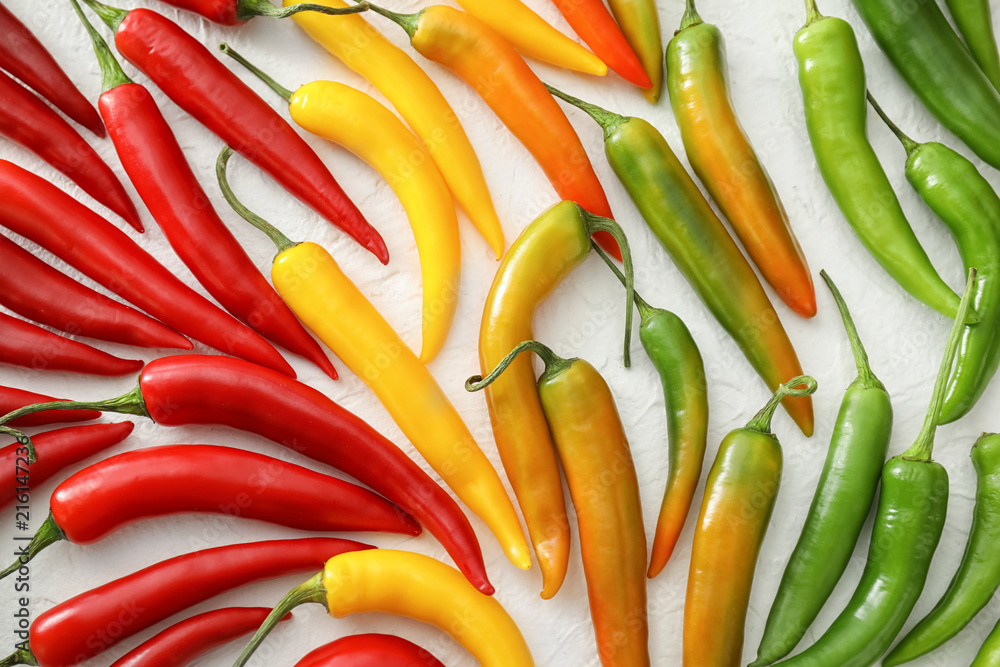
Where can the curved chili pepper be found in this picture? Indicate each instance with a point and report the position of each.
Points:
(26, 121)
(591, 443)
(199, 83)
(37, 291)
(25, 344)
(414, 586)
(180, 479)
(967, 204)
(739, 498)
(832, 78)
(360, 124)
(12, 399)
(78, 628)
(57, 449)
(544, 254)
(975, 22)
(698, 243)
(840, 506)
(369, 650)
(332, 306)
(233, 12)
(155, 163)
(725, 162)
(640, 23)
(41, 212)
(418, 100)
(592, 21)
(23, 55)
(188, 640)
(989, 653)
(978, 575)
(491, 67)
(196, 389)
(909, 520)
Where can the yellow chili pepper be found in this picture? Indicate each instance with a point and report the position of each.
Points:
(314, 287)
(414, 586)
(532, 35)
(418, 100)
(363, 126)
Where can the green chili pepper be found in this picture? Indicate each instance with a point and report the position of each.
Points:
(969, 207)
(907, 528)
(839, 508)
(978, 575)
(975, 22)
(739, 498)
(669, 345)
(697, 241)
(989, 653)
(832, 78)
(938, 67)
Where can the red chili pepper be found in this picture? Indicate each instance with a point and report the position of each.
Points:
(370, 650)
(26, 121)
(155, 163)
(186, 641)
(592, 21)
(92, 622)
(234, 12)
(24, 344)
(196, 389)
(39, 292)
(178, 479)
(199, 83)
(41, 212)
(57, 449)
(23, 55)
(12, 399)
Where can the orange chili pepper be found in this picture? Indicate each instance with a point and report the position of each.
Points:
(592, 21)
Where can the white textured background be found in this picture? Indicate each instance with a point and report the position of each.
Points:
(583, 318)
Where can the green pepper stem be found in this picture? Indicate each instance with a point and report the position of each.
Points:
(553, 364)
(48, 533)
(22, 440)
(408, 22)
(21, 656)
(908, 144)
(923, 447)
(112, 74)
(310, 591)
(131, 403)
(690, 18)
(280, 240)
(597, 223)
(112, 16)
(762, 420)
(812, 12)
(866, 378)
(247, 9)
(645, 310)
(274, 85)
(608, 120)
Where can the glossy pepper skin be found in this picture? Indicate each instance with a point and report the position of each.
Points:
(909, 519)
(832, 79)
(41, 212)
(362, 125)
(595, 25)
(989, 652)
(57, 449)
(77, 627)
(967, 204)
(37, 291)
(235, 12)
(544, 254)
(184, 642)
(975, 23)
(939, 68)
(840, 505)
(12, 398)
(30, 346)
(978, 574)
(23, 55)
(491, 67)
(698, 243)
(640, 23)
(369, 650)
(196, 389)
(740, 492)
(723, 159)
(27, 121)
(179, 479)
(414, 586)
(418, 100)
(193, 78)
